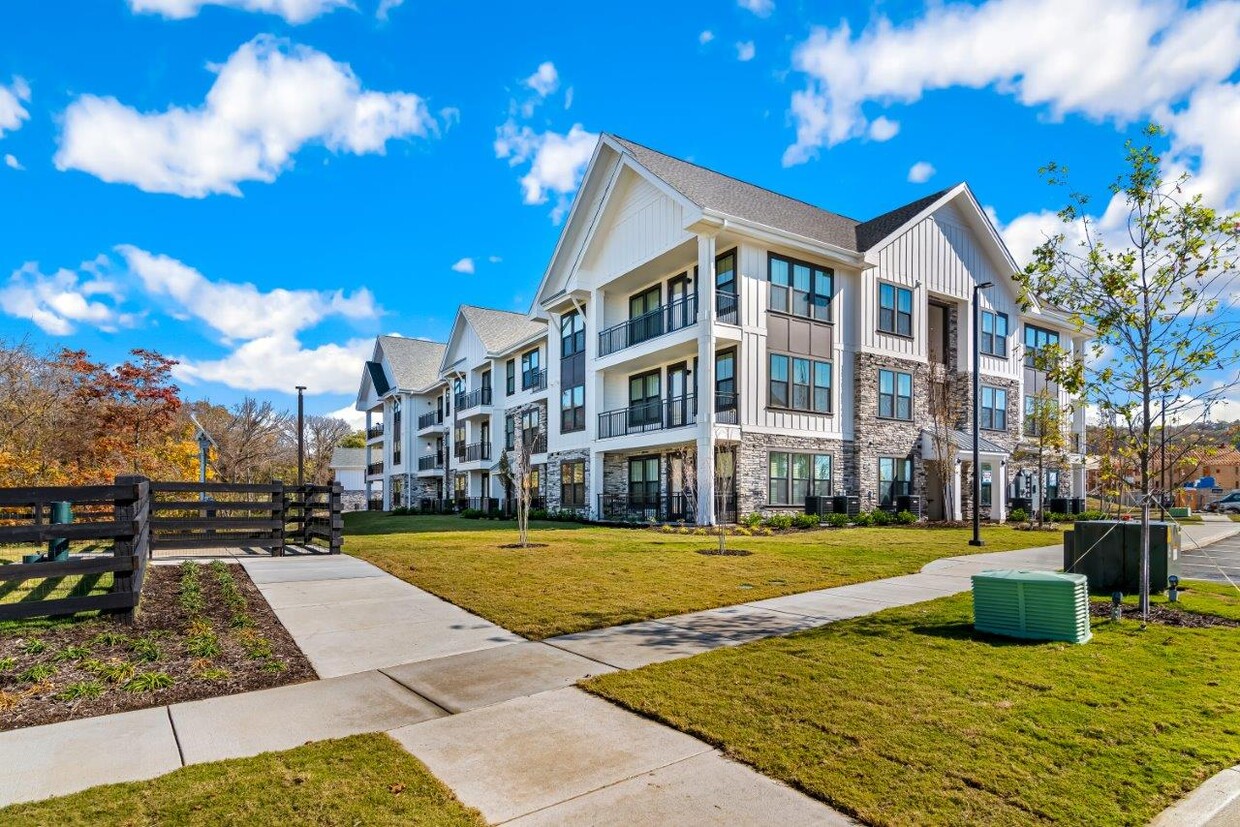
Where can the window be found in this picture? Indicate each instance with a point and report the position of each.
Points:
(895, 395)
(458, 485)
(1052, 485)
(994, 409)
(800, 288)
(1037, 338)
(572, 334)
(778, 397)
(529, 369)
(799, 384)
(510, 376)
(644, 481)
(725, 382)
(645, 302)
(396, 440)
(895, 309)
(573, 409)
(510, 432)
(994, 333)
(895, 476)
(572, 484)
(486, 380)
(725, 273)
(987, 482)
(530, 421)
(644, 400)
(793, 477)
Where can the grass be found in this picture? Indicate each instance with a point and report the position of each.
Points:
(587, 577)
(1235, 518)
(52, 588)
(909, 717)
(365, 779)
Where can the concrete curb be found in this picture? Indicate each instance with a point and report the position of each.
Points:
(1204, 803)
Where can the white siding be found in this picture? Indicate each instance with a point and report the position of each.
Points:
(638, 223)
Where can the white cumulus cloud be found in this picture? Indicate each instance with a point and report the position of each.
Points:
(556, 161)
(1107, 59)
(762, 8)
(385, 8)
(11, 162)
(883, 129)
(279, 361)
(920, 172)
(706, 37)
(12, 112)
(61, 301)
(465, 265)
(269, 99)
(545, 79)
(294, 11)
(745, 51)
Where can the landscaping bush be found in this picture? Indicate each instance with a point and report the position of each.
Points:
(1018, 515)
(778, 522)
(865, 518)
(805, 521)
(1093, 515)
(473, 514)
(538, 514)
(399, 511)
(906, 517)
(752, 520)
(880, 517)
(837, 520)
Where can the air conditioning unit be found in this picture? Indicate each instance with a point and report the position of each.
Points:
(1034, 605)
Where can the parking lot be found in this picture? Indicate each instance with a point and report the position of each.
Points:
(1217, 561)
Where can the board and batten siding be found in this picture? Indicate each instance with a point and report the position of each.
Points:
(752, 363)
(939, 257)
(638, 222)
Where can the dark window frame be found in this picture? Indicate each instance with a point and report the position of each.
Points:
(572, 334)
(992, 342)
(893, 312)
(816, 309)
(812, 387)
(572, 489)
(814, 485)
(893, 405)
(510, 377)
(900, 483)
(993, 416)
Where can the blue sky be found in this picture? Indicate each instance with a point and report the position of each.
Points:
(260, 186)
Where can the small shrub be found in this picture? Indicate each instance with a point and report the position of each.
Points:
(273, 665)
(114, 671)
(538, 513)
(80, 690)
(240, 620)
(399, 511)
(906, 517)
(1053, 517)
(7, 664)
(1018, 515)
(34, 646)
(213, 674)
(742, 531)
(205, 645)
(145, 649)
(149, 682)
(473, 514)
(837, 520)
(864, 518)
(71, 653)
(762, 531)
(666, 529)
(778, 522)
(1092, 515)
(8, 700)
(255, 645)
(879, 517)
(805, 521)
(752, 520)
(37, 673)
(109, 639)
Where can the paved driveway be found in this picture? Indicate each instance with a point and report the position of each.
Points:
(1212, 561)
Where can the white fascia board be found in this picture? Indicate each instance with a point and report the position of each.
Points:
(720, 222)
(519, 346)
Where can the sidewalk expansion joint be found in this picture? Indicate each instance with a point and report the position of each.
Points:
(176, 739)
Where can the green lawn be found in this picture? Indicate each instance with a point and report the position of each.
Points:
(363, 780)
(590, 577)
(909, 717)
(52, 588)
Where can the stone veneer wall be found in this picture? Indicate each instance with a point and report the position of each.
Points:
(887, 437)
(752, 468)
(552, 477)
(353, 501)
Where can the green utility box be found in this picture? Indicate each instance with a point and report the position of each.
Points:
(1034, 605)
(1108, 552)
(1180, 511)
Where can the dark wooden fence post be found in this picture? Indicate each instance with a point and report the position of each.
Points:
(277, 514)
(132, 508)
(335, 517)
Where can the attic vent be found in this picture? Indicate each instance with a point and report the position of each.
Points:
(1035, 605)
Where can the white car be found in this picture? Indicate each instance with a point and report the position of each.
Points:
(1228, 505)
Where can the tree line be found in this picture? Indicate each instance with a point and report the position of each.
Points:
(66, 419)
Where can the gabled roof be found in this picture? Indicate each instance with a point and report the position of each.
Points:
(414, 362)
(347, 458)
(715, 191)
(500, 330)
(869, 233)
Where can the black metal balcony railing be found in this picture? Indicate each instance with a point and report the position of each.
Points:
(666, 318)
(534, 380)
(537, 443)
(375, 468)
(473, 399)
(430, 420)
(726, 409)
(648, 416)
(665, 508)
(374, 431)
(430, 462)
(473, 452)
(727, 308)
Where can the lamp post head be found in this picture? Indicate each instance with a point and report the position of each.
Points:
(984, 285)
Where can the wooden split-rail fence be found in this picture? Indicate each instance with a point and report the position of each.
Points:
(135, 519)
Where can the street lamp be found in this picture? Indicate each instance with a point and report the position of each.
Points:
(977, 404)
(301, 436)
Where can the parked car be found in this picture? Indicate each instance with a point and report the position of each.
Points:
(1227, 505)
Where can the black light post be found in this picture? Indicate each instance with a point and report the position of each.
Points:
(977, 403)
(301, 436)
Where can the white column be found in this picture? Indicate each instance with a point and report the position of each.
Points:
(998, 487)
(957, 492)
(595, 484)
(704, 380)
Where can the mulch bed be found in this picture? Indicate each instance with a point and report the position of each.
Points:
(527, 545)
(53, 672)
(1162, 614)
(727, 552)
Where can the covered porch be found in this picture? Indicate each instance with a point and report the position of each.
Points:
(952, 501)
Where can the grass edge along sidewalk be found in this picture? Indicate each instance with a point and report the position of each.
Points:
(909, 717)
(589, 577)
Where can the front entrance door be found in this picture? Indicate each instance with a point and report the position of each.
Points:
(644, 487)
(936, 334)
(677, 396)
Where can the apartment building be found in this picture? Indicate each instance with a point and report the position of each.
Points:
(711, 348)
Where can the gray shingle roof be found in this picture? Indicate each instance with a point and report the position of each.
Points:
(414, 361)
(964, 441)
(348, 458)
(501, 329)
(722, 193)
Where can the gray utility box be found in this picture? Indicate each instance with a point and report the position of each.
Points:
(1108, 553)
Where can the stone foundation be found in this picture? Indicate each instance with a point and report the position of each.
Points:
(551, 481)
(753, 468)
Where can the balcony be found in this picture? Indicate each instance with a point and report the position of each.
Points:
(726, 412)
(667, 318)
(473, 452)
(430, 462)
(480, 398)
(648, 416)
(374, 431)
(374, 469)
(430, 420)
(665, 508)
(727, 308)
(535, 381)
